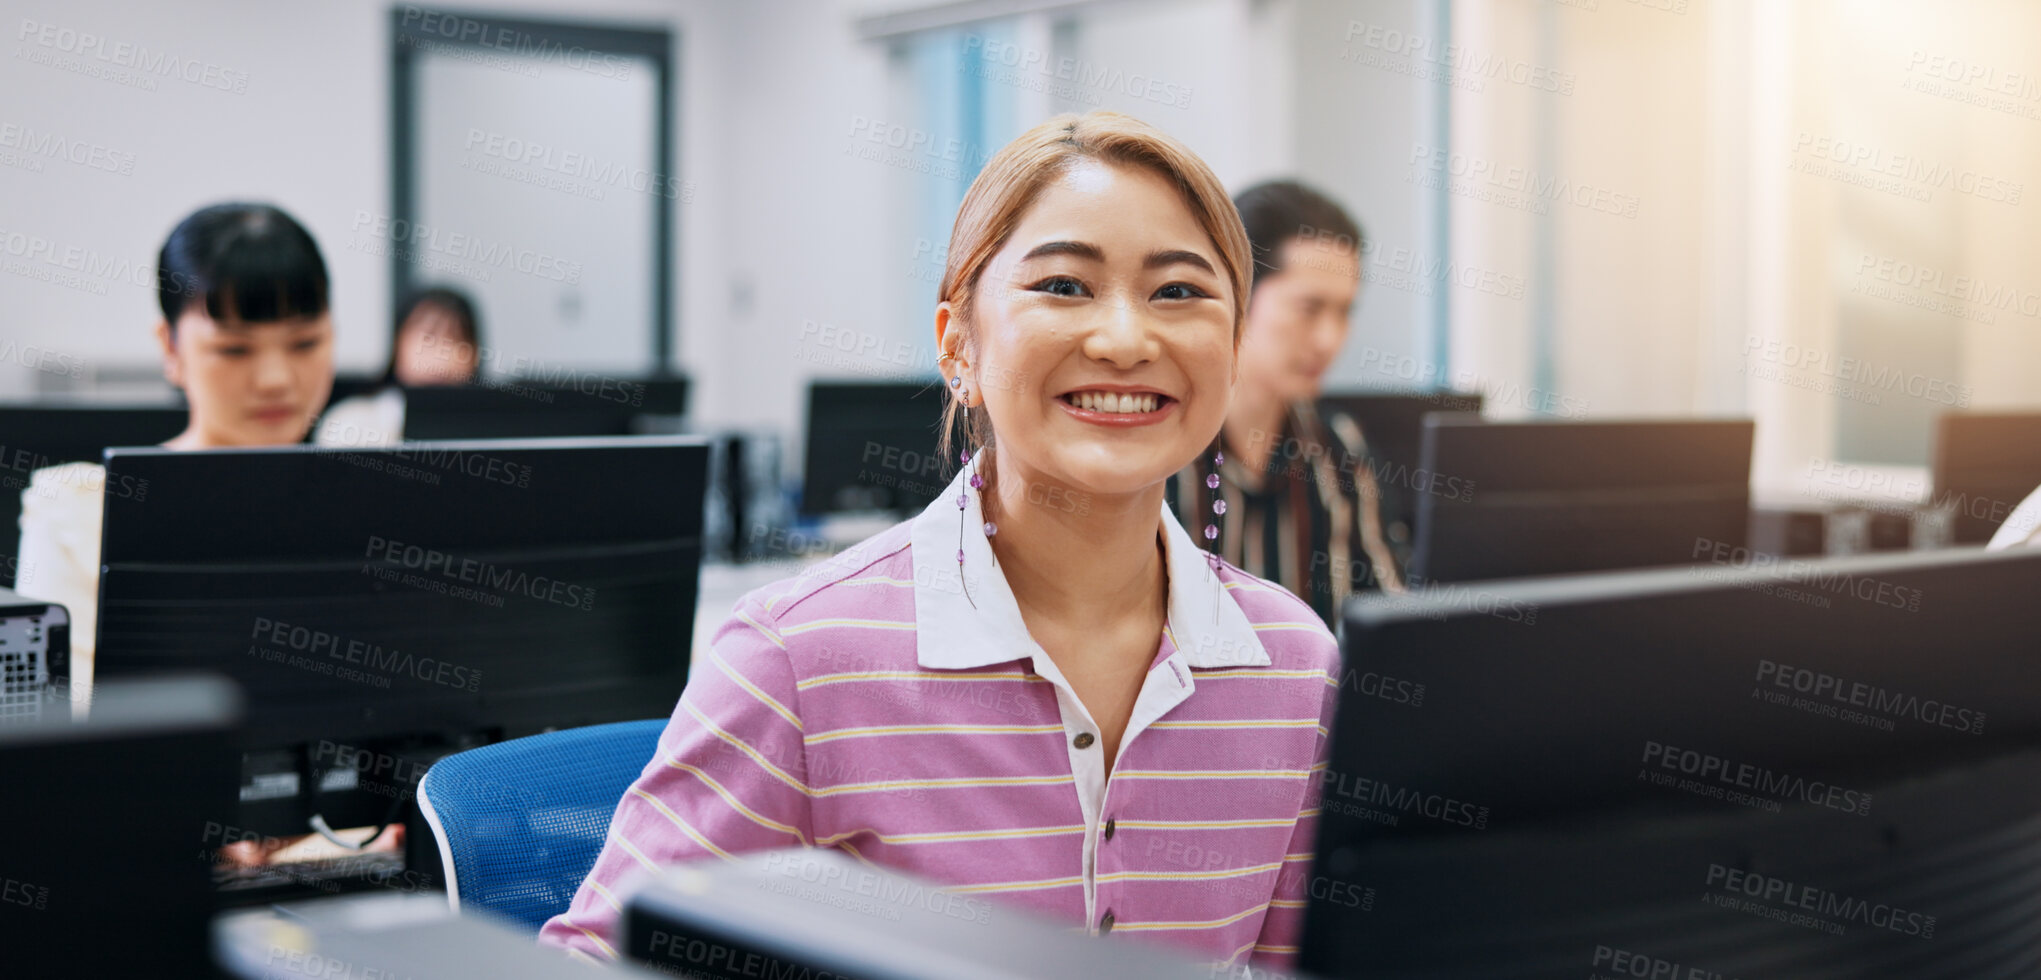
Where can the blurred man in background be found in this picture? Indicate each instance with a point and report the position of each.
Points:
(1302, 507)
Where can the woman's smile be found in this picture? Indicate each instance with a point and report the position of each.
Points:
(1117, 406)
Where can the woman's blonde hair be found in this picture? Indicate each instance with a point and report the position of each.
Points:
(1015, 176)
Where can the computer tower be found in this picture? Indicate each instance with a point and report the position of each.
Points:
(35, 656)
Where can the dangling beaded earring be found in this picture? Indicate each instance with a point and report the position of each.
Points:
(1218, 510)
(976, 482)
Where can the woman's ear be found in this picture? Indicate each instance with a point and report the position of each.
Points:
(173, 369)
(945, 319)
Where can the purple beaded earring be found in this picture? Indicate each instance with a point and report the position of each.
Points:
(976, 482)
(1218, 510)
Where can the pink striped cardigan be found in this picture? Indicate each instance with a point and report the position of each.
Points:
(868, 705)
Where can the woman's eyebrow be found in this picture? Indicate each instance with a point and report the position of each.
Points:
(1086, 250)
(1171, 256)
(1082, 250)
(244, 328)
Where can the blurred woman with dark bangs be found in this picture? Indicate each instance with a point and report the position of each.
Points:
(247, 335)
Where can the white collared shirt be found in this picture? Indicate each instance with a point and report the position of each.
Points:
(960, 632)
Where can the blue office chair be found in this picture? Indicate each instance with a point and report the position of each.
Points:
(519, 823)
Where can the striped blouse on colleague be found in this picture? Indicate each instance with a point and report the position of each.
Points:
(868, 705)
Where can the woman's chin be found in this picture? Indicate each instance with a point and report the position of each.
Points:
(1110, 474)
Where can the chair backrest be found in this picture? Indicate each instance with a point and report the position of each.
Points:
(519, 823)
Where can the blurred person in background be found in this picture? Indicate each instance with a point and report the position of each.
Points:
(437, 341)
(247, 335)
(1302, 505)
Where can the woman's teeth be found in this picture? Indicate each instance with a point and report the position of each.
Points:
(1106, 401)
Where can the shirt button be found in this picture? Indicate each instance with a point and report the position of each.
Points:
(1083, 740)
(1105, 925)
(1109, 830)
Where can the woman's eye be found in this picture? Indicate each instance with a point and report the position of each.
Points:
(1060, 286)
(312, 344)
(1180, 290)
(233, 351)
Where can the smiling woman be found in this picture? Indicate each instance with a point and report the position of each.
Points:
(1150, 704)
(1087, 164)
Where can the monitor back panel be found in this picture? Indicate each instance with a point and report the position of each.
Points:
(872, 447)
(1560, 731)
(1984, 466)
(33, 437)
(434, 587)
(1547, 498)
(514, 410)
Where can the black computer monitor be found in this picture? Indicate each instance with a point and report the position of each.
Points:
(1821, 769)
(872, 447)
(1392, 424)
(104, 830)
(35, 436)
(1509, 499)
(389, 600)
(513, 408)
(1985, 464)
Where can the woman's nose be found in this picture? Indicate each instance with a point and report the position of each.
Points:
(272, 370)
(1121, 335)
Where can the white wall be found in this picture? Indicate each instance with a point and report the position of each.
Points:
(309, 132)
(799, 224)
(189, 145)
(794, 243)
(804, 237)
